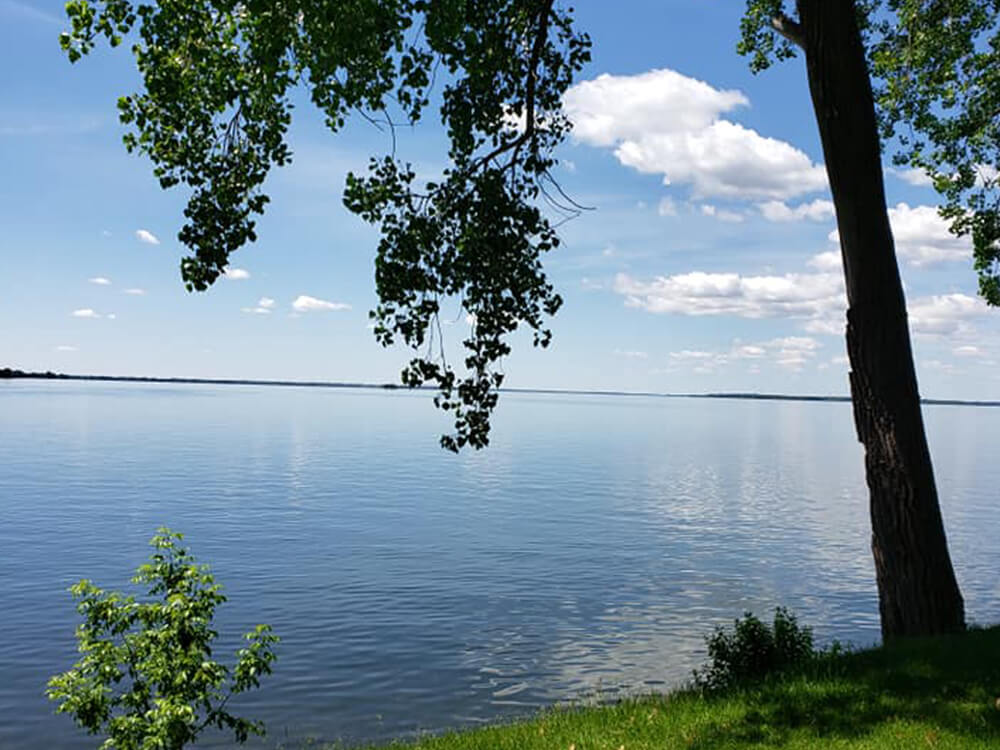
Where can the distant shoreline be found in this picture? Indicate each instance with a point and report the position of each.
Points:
(7, 373)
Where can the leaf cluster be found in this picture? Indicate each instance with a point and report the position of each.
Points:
(935, 67)
(146, 677)
(215, 109)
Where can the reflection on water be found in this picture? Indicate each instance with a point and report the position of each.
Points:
(587, 550)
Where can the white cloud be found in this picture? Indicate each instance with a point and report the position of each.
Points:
(922, 237)
(687, 355)
(111, 316)
(632, 354)
(817, 210)
(144, 235)
(789, 352)
(792, 352)
(915, 177)
(666, 207)
(986, 176)
(305, 303)
(749, 351)
(945, 314)
(66, 348)
(804, 295)
(827, 261)
(590, 284)
(135, 291)
(662, 122)
(968, 351)
(721, 214)
(236, 274)
(830, 325)
(85, 312)
(264, 306)
(100, 281)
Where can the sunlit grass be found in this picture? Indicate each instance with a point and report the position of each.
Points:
(933, 693)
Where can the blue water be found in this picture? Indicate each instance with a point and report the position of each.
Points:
(585, 553)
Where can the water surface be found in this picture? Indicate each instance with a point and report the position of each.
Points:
(586, 551)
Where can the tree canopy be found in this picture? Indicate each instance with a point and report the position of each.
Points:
(215, 112)
(935, 67)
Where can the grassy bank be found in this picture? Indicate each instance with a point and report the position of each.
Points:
(935, 693)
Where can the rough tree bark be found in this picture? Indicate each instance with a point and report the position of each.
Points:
(918, 593)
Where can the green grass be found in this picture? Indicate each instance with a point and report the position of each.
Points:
(933, 693)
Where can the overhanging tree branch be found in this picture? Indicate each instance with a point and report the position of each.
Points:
(789, 28)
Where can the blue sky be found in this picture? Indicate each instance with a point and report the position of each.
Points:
(707, 265)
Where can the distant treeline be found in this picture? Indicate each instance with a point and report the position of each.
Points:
(7, 372)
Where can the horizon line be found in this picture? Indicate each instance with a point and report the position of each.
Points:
(7, 373)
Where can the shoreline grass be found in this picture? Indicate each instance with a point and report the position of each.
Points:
(924, 693)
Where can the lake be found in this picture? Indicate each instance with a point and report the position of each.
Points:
(584, 554)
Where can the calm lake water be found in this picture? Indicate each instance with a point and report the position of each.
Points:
(585, 552)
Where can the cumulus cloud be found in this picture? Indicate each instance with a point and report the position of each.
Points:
(100, 281)
(236, 274)
(144, 235)
(789, 352)
(305, 303)
(796, 295)
(827, 261)
(631, 354)
(817, 210)
(708, 209)
(663, 122)
(66, 348)
(264, 306)
(986, 176)
(135, 291)
(85, 312)
(917, 177)
(968, 351)
(945, 314)
(666, 207)
(922, 236)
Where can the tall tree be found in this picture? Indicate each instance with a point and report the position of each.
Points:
(938, 64)
(214, 113)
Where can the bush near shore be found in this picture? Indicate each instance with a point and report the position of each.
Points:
(924, 693)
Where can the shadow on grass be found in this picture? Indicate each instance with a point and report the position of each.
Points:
(928, 686)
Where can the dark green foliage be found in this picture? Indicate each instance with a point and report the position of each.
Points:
(754, 650)
(146, 677)
(935, 67)
(215, 112)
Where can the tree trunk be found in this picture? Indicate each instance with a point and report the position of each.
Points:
(918, 593)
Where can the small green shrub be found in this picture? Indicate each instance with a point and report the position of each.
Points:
(753, 650)
(146, 677)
